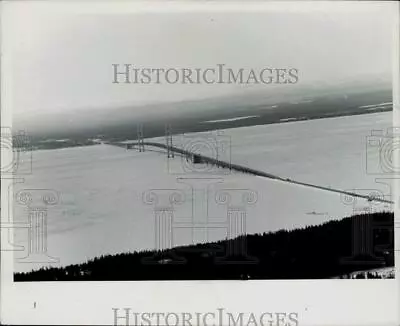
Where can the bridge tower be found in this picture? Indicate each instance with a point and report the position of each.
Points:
(168, 139)
(140, 138)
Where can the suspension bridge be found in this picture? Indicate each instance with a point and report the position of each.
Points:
(197, 158)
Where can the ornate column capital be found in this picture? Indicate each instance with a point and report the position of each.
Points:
(37, 197)
(236, 199)
(163, 199)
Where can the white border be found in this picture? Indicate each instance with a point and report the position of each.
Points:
(324, 302)
(396, 123)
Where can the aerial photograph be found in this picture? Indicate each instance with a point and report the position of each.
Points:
(202, 146)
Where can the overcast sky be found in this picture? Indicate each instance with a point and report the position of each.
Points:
(62, 59)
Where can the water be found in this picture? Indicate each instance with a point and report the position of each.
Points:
(102, 207)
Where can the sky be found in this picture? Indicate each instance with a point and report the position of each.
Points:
(59, 56)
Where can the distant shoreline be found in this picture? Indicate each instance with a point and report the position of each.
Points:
(229, 123)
